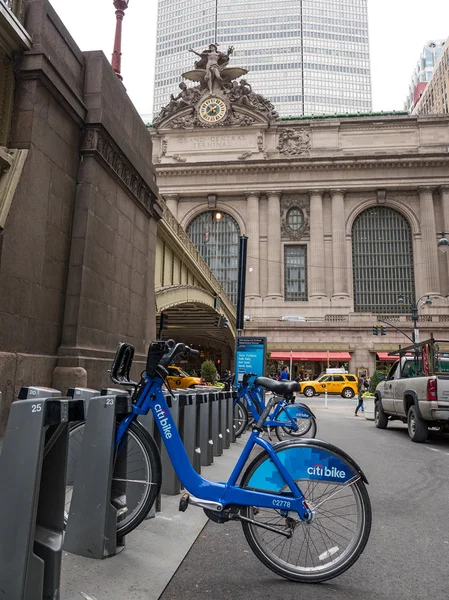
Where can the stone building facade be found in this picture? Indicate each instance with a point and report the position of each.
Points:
(79, 237)
(309, 193)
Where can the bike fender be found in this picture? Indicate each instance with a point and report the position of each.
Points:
(311, 459)
(305, 407)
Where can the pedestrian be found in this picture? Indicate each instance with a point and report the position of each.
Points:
(360, 388)
(284, 374)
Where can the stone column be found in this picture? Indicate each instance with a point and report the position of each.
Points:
(429, 258)
(445, 205)
(340, 274)
(172, 203)
(252, 231)
(316, 258)
(274, 265)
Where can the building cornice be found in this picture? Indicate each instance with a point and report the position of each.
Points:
(310, 164)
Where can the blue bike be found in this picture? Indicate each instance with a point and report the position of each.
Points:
(286, 419)
(303, 504)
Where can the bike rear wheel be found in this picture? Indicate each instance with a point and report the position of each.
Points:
(317, 551)
(240, 418)
(136, 487)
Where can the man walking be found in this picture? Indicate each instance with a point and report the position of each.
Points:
(284, 374)
(360, 389)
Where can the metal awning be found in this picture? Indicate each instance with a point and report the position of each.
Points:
(311, 356)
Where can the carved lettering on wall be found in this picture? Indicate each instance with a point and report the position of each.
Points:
(212, 142)
(96, 141)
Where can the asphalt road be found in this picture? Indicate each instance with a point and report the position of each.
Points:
(407, 556)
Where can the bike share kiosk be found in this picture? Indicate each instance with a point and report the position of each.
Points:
(33, 467)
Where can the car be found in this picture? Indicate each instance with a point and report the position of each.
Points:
(343, 384)
(179, 379)
(292, 318)
(247, 318)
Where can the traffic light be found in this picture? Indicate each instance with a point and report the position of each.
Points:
(221, 322)
(375, 330)
(383, 330)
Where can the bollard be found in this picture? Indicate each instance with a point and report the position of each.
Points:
(325, 399)
(224, 429)
(92, 525)
(204, 429)
(32, 501)
(217, 440)
(188, 425)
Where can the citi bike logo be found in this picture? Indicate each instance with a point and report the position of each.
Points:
(166, 427)
(320, 471)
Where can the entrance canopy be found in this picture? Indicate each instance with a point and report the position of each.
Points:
(384, 357)
(311, 356)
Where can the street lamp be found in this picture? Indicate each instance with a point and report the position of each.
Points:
(443, 243)
(120, 7)
(415, 307)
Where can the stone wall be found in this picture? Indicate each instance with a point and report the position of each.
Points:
(77, 263)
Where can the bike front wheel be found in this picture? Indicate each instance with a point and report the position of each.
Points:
(318, 550)
(240, 418)
(307, 428)
(136, 479)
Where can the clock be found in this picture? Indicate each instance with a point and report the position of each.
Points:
(212, 110)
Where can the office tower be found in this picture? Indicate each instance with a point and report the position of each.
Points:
(423, 72)
(306, 56)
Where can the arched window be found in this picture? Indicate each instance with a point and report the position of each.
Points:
(382, 258)
(216, 235)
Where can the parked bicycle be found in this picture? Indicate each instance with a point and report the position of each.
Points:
(286, 419)
(303, 504)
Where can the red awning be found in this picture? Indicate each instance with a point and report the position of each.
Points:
(311, 356)
(384, 356)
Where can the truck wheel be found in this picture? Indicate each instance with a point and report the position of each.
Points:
(309, 392)
(380, 418)
(417, 428)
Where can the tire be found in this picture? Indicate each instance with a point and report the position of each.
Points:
(348, 393)
(138, 498)
(417, 428)
(306, 429)
(240, 418)
(309, 392)
(278, 552)
(380, 418)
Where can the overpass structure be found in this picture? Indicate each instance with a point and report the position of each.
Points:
(197, 308)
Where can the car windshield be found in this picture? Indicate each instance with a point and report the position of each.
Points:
(177, 372)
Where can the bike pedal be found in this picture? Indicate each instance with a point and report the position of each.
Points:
(184, 502)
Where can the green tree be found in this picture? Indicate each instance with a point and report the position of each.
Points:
(375, 379)
(208, 371)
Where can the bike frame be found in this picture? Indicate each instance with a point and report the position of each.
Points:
(228, 493)
(251, 395)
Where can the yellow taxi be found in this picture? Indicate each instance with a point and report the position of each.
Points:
(343, 384)
(178, 379)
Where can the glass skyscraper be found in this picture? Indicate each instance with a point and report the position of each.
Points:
(306, 56)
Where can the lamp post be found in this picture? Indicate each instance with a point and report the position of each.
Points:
(120, 7)
(415, 307)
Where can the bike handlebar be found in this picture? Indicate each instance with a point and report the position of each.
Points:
(173, 350)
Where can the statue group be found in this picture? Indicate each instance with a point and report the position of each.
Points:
(215, 77)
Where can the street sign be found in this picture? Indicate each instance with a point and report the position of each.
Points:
(250, 356)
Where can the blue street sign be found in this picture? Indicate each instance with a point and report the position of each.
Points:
(250, 356)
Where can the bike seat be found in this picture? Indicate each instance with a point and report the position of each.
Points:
(281, 388)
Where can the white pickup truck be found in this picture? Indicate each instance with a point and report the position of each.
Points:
(415, 391)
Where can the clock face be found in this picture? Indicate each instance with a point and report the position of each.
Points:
(213, 110)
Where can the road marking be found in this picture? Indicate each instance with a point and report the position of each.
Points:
(436, 450)
(87, 597)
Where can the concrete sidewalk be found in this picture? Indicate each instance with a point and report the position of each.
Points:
(153, 551)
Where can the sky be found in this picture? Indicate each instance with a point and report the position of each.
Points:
(398, 31)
